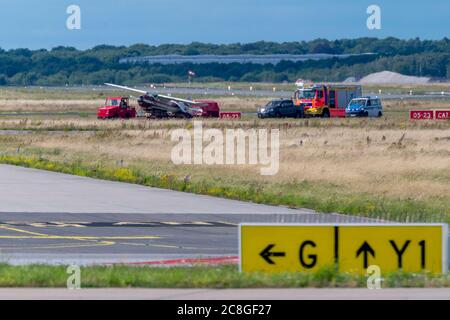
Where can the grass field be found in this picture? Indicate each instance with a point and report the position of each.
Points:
(389, 168)
(200, 277)
(35, 99)
(56, 108)
(386, 88)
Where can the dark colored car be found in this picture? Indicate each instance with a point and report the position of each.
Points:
(280, 109)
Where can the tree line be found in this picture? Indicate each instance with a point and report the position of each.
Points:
(70, 66)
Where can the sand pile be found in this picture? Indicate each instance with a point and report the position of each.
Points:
(388, 77)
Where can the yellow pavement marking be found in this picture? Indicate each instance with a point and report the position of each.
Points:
(70, 245)
(82, 237)
(21, 230)
(36, 235)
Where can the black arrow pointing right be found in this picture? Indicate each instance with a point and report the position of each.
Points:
(365, 249)
(266, 254)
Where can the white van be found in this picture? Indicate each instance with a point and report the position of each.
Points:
(364, 107)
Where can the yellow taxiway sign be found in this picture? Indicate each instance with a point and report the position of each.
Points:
(350, 247)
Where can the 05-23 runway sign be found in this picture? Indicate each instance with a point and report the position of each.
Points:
(352, 247)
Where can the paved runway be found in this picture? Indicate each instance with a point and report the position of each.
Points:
(48, 217)
(29, 190)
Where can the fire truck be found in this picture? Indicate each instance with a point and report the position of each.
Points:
(326, 100)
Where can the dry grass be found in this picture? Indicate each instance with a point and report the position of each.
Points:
(334, 159)
(241, 104)
(42, 93)
(406, 105)
(405, 88)
(244, 104)
(88, 100)
(419, 168)
(370, 161)
(22, 105)
(60, 105)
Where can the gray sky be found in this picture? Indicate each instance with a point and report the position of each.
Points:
(42, 23)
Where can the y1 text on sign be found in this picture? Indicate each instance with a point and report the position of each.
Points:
(352, 247)
(409, 248)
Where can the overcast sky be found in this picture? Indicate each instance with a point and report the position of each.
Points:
(42, 23)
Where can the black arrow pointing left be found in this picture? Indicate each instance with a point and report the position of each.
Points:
(266, 254)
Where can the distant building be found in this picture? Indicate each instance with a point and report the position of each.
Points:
(238, 58)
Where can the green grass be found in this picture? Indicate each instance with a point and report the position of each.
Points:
(321, 197)
(121, 276)
(417, 89)
(49, 93)
(95, 93)
(397, 121)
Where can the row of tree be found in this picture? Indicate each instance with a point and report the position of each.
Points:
(67, 65)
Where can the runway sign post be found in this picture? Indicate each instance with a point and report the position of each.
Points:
(442, 114)
(230, 115)
(421, 114)
(351, 247)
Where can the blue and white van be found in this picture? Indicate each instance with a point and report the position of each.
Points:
(364, 107)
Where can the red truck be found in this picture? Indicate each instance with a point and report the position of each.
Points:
(209, 109)
(116, 108)
(326, 100)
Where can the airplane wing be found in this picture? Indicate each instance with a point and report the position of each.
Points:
(159, 95)
(126, 88)
(179, 100)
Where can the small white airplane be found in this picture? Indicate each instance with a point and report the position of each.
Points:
(160, 106)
